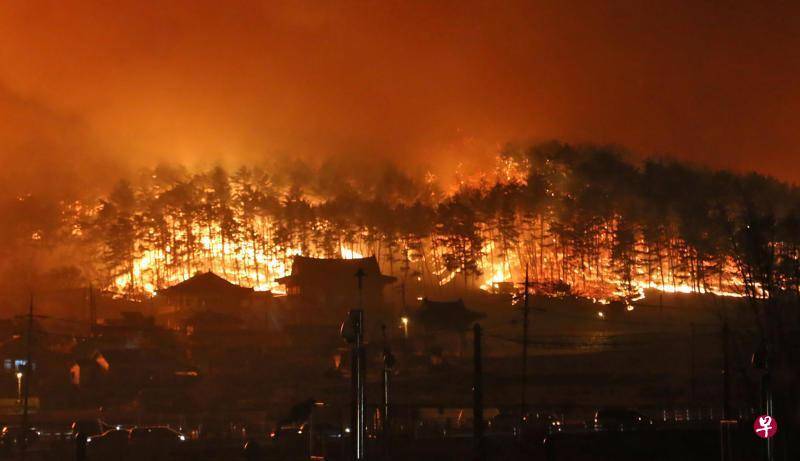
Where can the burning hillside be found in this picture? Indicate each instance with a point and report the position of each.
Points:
(581, 219)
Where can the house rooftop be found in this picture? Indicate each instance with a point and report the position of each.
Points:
(313, 270)
(205, 283)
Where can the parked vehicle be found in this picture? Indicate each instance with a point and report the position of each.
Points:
(155, 442)
(543, 423)
(110, 444)
(155, 435)
(14, 436)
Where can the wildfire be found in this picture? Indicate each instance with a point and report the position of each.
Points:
(242, 263)
(251, 242)
(245, 265)
(491, 283)
(258, 267)
(450, 275)
(601, 286)
(499, 271)
(349, 253)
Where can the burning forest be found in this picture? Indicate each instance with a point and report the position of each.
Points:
(583, 220)
(382, 231)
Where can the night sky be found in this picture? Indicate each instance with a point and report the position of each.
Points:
(89, 87)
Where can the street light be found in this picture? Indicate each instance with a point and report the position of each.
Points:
(404, 320)
(19, 386)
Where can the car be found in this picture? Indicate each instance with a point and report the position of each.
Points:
(537, 425)
(543, 422)
(154, 443)
(156, 435)
(620, 419)
(13, 436)
(286, 432)
(108, 444)
(322, 429)
(110, 436)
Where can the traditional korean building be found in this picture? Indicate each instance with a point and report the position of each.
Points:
(443, 325)
(205, 291)
(332, 283)
(208, 292)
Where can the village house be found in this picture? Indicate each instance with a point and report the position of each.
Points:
(127, 354)
(221, 324)
(329, 287)
(185, 306)
(443, 325)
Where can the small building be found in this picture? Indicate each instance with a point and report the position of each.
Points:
(128, 353)
(208, 292)
(444, 324)
(332, 283)
(131, 330)
(119, 374)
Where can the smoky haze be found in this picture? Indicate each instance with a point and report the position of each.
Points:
(97, 87)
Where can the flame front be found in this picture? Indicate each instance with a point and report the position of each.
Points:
(249, 233)
(251, 265)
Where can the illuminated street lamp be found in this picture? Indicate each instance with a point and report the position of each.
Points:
(404, 320)
(19, 386)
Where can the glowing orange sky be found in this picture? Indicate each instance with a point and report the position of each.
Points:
(417, 82)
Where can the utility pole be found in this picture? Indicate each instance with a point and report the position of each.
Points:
(525, 314)
(726, 378)
(769, 406)
(728, 428)
(26, 387)
(477, 395)
(762, 361)
(353, 332)
(360, 274)
(388, 363)
(692, 367)
(311, 447)
(357, 317)
(385, 382)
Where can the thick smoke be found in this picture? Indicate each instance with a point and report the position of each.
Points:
(428, 85)
(336, 96)
(47, 152)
